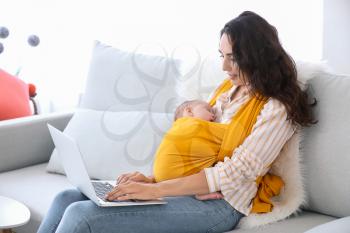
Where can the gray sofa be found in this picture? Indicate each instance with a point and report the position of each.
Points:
(25, 148)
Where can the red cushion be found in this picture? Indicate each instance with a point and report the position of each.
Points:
(14, 97)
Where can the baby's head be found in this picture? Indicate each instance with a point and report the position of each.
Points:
(195, 108)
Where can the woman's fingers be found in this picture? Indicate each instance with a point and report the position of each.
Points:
(139, 177)
(119, 191)
(125, 177)
(126, 197)
(133, 190)
(135, 176)
(119, 178)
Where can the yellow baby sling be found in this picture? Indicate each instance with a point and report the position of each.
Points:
(194, 144)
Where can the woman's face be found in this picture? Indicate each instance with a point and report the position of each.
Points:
(228, 63)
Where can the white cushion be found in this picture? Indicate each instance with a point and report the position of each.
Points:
(127, 81)
(113, 143)
(126, 108)
(325, 147)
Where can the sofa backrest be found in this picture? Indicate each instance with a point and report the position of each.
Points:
(26, 141)
(325, 147)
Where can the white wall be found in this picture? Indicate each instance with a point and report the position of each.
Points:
(336, 35)
(59, 65)
(298, 22)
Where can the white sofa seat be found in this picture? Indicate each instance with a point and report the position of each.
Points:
(297, 224)
(34, 187)
(41, 187)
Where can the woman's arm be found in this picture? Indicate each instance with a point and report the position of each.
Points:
(189, 185)
(165, 185)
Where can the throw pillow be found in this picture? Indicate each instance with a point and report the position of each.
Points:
(113, 143)
(14, 97)
(128, 81)
(138, 94)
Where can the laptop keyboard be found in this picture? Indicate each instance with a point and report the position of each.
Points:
(102, 188)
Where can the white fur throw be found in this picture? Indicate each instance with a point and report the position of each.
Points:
(287, 166)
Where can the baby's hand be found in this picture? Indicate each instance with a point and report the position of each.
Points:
(209, 196)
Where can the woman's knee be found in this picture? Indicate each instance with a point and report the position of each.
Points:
(69, 196)
(76, 211)
(75, 218)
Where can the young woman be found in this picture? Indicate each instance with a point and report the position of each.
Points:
(258, 68)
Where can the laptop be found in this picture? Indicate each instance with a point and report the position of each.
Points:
(77, 175)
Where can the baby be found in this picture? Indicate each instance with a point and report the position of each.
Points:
(195, 108)
(191, 144)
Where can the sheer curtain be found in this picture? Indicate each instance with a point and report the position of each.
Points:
(186, 28)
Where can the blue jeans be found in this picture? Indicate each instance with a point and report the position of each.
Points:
(72, 212)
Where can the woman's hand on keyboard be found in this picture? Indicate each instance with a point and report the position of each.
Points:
(131, 190)
(134, 176)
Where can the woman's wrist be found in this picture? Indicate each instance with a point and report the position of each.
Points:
(159, 191)
(189, 185)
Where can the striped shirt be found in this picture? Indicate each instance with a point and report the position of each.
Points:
(235, 176)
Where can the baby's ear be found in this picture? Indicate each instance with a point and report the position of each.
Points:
(188, 111)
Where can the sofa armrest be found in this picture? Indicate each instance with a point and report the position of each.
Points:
(26, 141)
(341, 225)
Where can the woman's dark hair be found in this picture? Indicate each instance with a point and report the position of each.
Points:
(268, 69)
